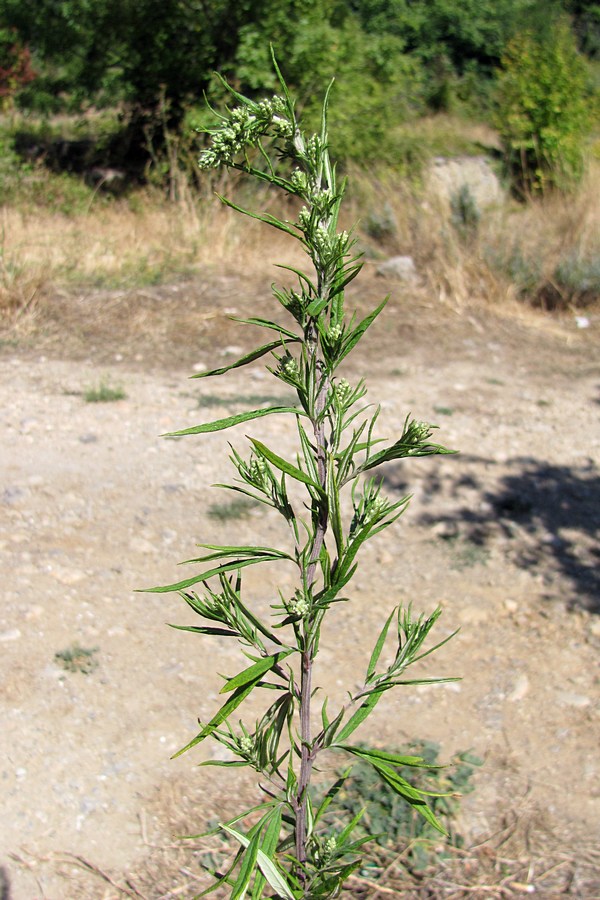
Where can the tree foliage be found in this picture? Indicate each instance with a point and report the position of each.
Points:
(543, 111)
(390, 58)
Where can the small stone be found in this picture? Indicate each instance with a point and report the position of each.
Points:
(520, 689)
(141, 545)
(12, 635)
(34, 612)
(88, 438)
(401, 267)
(570, 698)
(511, 606)
(67, 576)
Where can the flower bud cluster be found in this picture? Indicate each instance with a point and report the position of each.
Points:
(258, 474)
(298, 605)
(329, 848)
(299, 181)
(294, 303)
(246, 744)
(419, 432)
(334, 334)
(288, 367)
(246, 124)
(375, 509)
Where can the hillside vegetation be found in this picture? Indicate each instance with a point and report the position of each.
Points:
(102, 107)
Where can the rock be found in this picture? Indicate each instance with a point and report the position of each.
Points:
(13, 635)
(520, 689)
(570, 698)
(401, 267)
(446, 177)
(67, 576)
(141, 545)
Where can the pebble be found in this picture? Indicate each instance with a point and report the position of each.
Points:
(34, 612)
(570, 698)
(12, 635)
(67, 576)
(520, 689)
(141, 545)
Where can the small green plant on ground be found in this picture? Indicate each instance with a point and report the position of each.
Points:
(77, 659)
(394, 824)
(205, 400)
(104, 393)
(285, 847)
(236, 509)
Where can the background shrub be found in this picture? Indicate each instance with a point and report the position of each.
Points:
(543, 113)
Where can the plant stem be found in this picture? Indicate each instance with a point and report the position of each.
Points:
(307, 751)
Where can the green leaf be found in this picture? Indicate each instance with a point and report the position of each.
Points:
(267, 323)
(223, 551)
(364, 710)
(204, 576)
(268, 846)
(240, 887)
(379, 646)
(412, 795)
(243, 360)
(286, 227)
(266, 865)
(234, 701)
(317, 306)
(354, 337)
(284, 466)
(195, 629)
(253, 673)
(382, 756)
(230, 421)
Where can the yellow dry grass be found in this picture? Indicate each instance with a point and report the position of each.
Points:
(146, 240)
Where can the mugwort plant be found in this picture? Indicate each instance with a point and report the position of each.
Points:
(287, 847)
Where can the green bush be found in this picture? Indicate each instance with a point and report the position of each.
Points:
(543, 113)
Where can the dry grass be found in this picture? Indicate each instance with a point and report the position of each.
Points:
(125, 244)
(545, 252)
(521, 857)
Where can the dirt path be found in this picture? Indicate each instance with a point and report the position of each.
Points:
(93, 503)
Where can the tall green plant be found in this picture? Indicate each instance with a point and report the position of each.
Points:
(286, 849)
(543, 109)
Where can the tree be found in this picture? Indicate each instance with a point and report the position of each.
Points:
(543, 111)
(15, 66)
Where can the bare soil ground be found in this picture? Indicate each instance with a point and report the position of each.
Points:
(93, 504)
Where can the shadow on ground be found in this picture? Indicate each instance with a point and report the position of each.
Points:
(549, 514)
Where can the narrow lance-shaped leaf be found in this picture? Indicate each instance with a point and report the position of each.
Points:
(363, 711)
(274, 877)
(287, 227)
(225, 711)
(354, 337)
(230, 421)
(248, 866)
(379, 647)
(254, 673)
(284, 466)
(243, 360)
(223, 551)
(272, 326)
(392, 759)
(204, 576)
